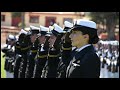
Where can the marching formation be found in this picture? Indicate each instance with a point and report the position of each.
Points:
(55, 52)
(34, 53)
(108, 51)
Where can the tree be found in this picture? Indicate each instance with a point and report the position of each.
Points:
(16, 14)
(110, 19)
(23, 20)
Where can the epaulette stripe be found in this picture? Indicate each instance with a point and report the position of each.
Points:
(54, 55)
(43, 56)
(33, 51)
(25, 48)
(70, 48)
(17, 46)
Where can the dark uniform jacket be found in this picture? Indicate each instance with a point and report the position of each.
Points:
(31, 61)
(53, 61)
(24, 52)
(84, 64)
(40, 62)
(64, 62)
(18, 59)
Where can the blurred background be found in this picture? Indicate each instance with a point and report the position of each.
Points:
(107, 25)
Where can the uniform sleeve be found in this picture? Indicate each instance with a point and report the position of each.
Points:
(43, 55)
(91, 66)
(17, 48)
(66, 53)
(4, 50)
(53, 57)
(24, 48)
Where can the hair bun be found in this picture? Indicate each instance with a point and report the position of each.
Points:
(95, 40)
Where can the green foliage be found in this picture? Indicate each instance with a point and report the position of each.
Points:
(110, 19)
(101, 16)
(16, 14)
(3, 74)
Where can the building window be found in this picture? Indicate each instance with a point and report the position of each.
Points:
(50, 21)
(3, 18)
(68, 19)
(34, 19)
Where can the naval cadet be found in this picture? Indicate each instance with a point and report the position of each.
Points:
(42, 51)
(18, 54)
(54, 51)
(34, 31)
(9, 51)
(84, 61)
(65, 50)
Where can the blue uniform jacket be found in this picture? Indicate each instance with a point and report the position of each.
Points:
(84, 64)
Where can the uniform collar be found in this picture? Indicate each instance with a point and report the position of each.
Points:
(79, 49)
(83, 51)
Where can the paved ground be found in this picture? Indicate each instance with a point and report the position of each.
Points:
(104, 73)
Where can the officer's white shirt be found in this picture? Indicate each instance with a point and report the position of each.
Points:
(98, 53)
(42, 47)
(109, 54)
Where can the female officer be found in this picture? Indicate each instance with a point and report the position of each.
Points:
(84, 61)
